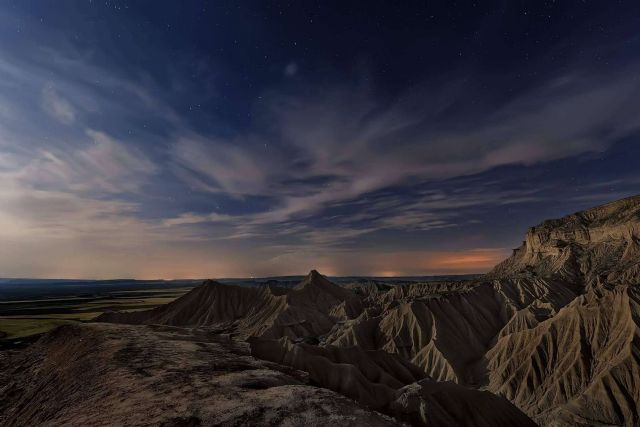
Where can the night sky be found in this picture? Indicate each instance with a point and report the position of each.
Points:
(157, 139)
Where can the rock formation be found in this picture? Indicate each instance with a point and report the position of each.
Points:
(570, 354)
(100, 374)
(309, 310)
(385, 382)
(549, 336)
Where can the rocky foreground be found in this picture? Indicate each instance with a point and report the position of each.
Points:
(549, 337)
(101, 374)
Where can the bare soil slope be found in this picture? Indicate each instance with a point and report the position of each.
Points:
(385, 382)
(573, 361)
(310, 309)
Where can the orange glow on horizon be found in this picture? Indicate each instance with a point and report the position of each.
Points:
(192, 263)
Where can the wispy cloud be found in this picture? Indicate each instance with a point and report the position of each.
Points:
(325, 148)
(57, 106)
(102, 160)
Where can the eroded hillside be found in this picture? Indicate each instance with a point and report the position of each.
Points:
(550, 336)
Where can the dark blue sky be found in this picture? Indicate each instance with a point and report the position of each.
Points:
(162, 139)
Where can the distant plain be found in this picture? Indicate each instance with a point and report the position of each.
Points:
(36, 314)
(31, 307)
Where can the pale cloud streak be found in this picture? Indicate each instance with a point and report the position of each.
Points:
(111, 165)
(57, 106)
(343, 145)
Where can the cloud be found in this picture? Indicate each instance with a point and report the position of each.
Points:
(40, 215)
(319, 174)
(334, 145)
(192, 218)
(98, 163)
(232, 167)
(56, 106)
(116, 166)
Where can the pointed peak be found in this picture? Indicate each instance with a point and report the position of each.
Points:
(211, 283)
(316, 279)
(313, 274)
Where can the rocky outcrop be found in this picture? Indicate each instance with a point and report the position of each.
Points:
(444, 335)
(100, 374)
(444, 404)
(369, 377)
(589, 247)
(569, 355)
(309, 310)
(384, 381)
(580, 367)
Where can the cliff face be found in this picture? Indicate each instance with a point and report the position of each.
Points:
(598, 245)
(569, 356)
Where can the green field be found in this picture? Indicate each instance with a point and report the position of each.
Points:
(24, 318)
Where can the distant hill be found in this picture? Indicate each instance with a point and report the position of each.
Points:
(19, 289)
(25, 288)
